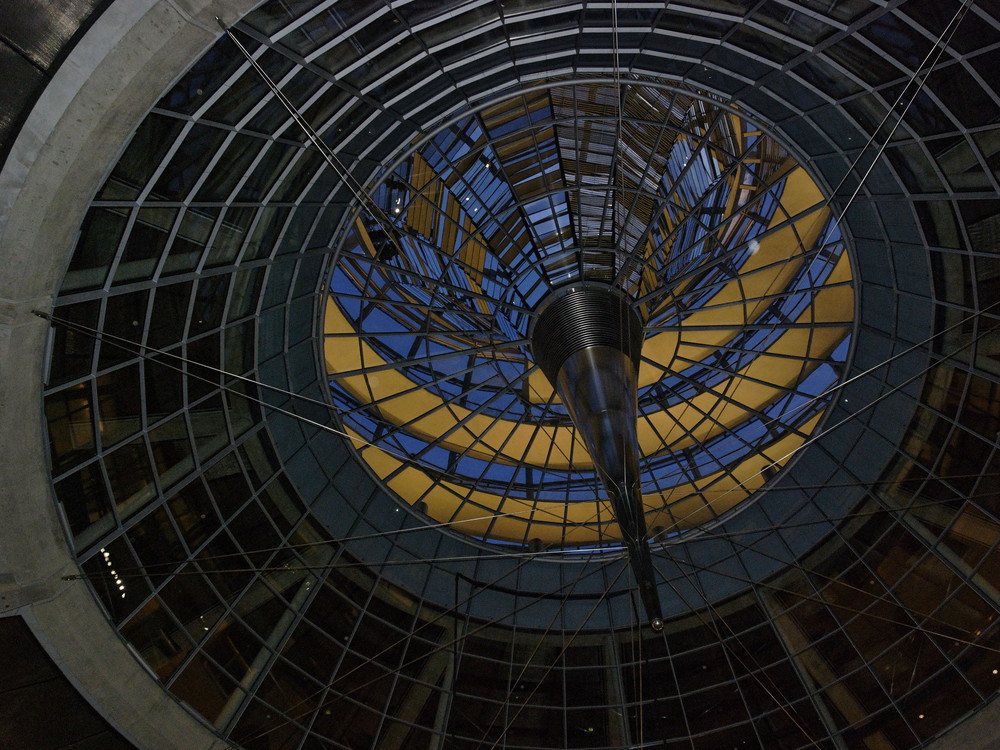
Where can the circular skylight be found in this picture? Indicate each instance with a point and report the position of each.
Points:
(720, 241)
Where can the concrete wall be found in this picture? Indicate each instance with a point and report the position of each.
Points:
(97, 97)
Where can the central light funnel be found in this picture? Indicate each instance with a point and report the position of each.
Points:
(587, 340)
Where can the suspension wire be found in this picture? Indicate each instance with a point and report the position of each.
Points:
(137, 349)
(609, 552)
(342, 172)
(874, 402)
(141, 351)
(939, 49)
(138, 571)
(832, 389)
(794, 564)
(847, 608)
(363, 198)
(949, 29)
(936, 47)
(558, 611)
(955, 20)
(640, 719)
(562, 652)
(437, 648)
(617, 153)
(781, 704)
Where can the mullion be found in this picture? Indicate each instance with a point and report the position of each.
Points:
(433, 284)
(732, 252)
(660, 203)
(396, 365)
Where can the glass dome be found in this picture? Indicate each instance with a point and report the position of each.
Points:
(301, 449)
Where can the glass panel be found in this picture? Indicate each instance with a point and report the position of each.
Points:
(228, 484)
(208, 425)
(246, 293)
(120, 406)
(171, 448)
(157, 545)
(188, 247)
(145, 243)
(231, 235)
(98, 245)
(170, 312)
(194, 514)
(230, 169)
(188, 163)
(152, 139)
(86, 501)
(131, 477)
(75, 348)
(161, 643)
(71, 428)
(124, 321)
(204, 686)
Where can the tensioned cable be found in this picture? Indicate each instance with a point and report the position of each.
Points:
(874, 402)
(142, 352)
(865, 613)
(562, 652)
(937, 47)
(782, 705)
(136, 572)
(849, 203)
(866, 173)
(733, 383)
(327, 153)
(135, 348)
(556, 615)
(775, 694)
(916, 73)
(440, 647)
(343, 173)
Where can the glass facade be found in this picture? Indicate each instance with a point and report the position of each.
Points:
(232, 309)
